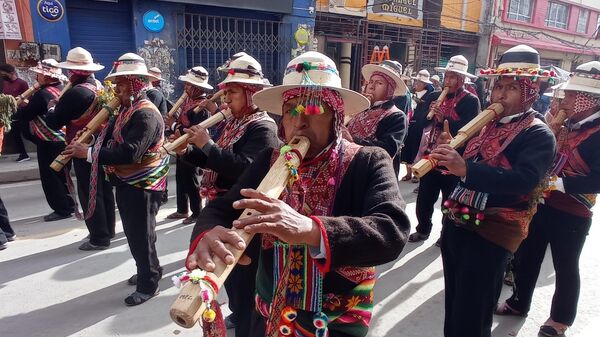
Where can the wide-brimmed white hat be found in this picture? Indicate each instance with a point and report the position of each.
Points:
(243, 68)
(392, 69)
(308, 70)
(80, 59)
(586, 78)
(435, 78)
(458, 64)
(556, 91)
(130, 64)
(48, 68)
(197, 76)
(156, 72)
(519, 61)
(423, 76)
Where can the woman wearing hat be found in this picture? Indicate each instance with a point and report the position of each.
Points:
(488, 213)
(341, 217)
(49, 142)
(383, 124)
(459, 107)
(422, 87)
(75, 109)
(129, 150)
(187, 174)
(242, 137)
(564, 218)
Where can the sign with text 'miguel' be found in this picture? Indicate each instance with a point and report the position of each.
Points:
(407, 12)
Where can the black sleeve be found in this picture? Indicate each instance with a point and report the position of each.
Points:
(38, 106)
(71, 105)
(219, 212)
(140, 133)
(157, 98)
(373, 227)
(530, 154)
(260, 135)
(589, 184)
(390, 134)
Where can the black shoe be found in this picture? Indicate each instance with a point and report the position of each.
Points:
(138, 298)
(11, 238)
(164, 198)
(22, 158)
(87, 246)
(55, 216)
(230, 322)
(416, 237)
(439, 242)
(132, 281)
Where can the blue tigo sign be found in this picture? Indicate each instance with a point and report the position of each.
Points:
(51, 10)
(153, 21)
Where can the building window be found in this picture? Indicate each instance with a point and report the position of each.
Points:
(582, 20)
(558, 15)
(520, 10)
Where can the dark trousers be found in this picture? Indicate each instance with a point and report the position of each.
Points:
(17, 128)
(473, 272)
(5, 228)
(54, 183)
(138, 209)
(187, 184)
(241, 288)
(430, 186)
(101, 224)
(566, 234)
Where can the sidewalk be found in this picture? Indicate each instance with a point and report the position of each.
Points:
(11, 171)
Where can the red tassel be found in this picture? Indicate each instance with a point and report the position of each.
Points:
(217, 327)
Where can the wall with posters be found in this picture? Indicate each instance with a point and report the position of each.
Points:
(401, 12)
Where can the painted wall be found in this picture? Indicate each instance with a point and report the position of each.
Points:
(461, 15)
(51, 32)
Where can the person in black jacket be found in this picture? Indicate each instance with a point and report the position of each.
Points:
(486, 216)
(459, 107)
(129, 149)
(49, 142)
(422, 87)
(564, 219)
(76, 107)
(249, 131)
(155, 94)
(339, 219)
(188, 175)
(383, 124)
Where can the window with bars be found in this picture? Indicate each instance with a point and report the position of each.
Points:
(520, 10)
(582, 20)
(558, 15)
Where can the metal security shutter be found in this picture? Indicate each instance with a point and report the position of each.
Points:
(103, 28)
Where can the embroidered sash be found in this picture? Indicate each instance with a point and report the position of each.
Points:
(364, 125)
(40, 129)
(79, 123)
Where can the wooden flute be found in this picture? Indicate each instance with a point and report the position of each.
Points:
(177, 104)
(439, 101)
(188, 306)
(22, 97)
(423, 166)
(91, 127)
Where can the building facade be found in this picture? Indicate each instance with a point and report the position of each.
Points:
(565, 32)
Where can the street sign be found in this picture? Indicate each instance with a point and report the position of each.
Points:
(153, 21)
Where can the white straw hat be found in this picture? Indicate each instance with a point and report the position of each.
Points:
(423, 76)
(458, 64)
(130, 64)
(48, 67)
(156, 72)
(80, 59)
(310, 69)
(519, 61)
(586, 78)
(197, 76)
(435, 78)
(243, 68)
(391, 68)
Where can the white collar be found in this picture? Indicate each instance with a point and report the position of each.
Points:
(586, 120)
(421, 93)
(510, 118)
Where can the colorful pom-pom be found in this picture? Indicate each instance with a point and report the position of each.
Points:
(289, 314)
(209, 315)
(331, 181)
(285, 149)
(477, 222)
(466, 216)
(445, 211)
(447, 203)
(285, 330)
(480, 216)
(320, 320)
(464, 210)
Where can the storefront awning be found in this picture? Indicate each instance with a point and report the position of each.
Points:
(540, 42)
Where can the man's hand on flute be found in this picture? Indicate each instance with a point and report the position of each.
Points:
(212, 245)
(452, 160)
(76, 150)
(445, 137)
(277, 218)
(208, 105)
(198, 136)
